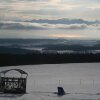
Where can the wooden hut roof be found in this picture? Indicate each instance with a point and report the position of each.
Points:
(18, 70)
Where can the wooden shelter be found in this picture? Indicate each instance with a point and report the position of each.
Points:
(13, 84)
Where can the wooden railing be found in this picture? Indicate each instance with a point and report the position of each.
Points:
(12, 85)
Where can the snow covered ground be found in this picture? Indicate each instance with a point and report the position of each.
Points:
(80, 80)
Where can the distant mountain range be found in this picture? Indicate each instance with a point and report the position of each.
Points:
(24, 46)
(12, 50)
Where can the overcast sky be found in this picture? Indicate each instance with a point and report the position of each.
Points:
(14, 13)
(29, 9)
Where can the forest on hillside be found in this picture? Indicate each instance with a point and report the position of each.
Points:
(41, 58)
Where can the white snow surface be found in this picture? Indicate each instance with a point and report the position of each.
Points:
(81, 81)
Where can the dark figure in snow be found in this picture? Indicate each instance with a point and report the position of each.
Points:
(61, 91)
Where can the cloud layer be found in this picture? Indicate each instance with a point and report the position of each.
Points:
(33, 9)
(49, 17)
(50, 24)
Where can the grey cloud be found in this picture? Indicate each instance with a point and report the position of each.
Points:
(81, 1)
(33, 26)
(74, 26)
(65, 24)
(83, 8)
(9, 1)
(65, 21)
(20, 25)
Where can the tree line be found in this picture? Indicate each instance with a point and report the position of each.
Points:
(45, 58)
